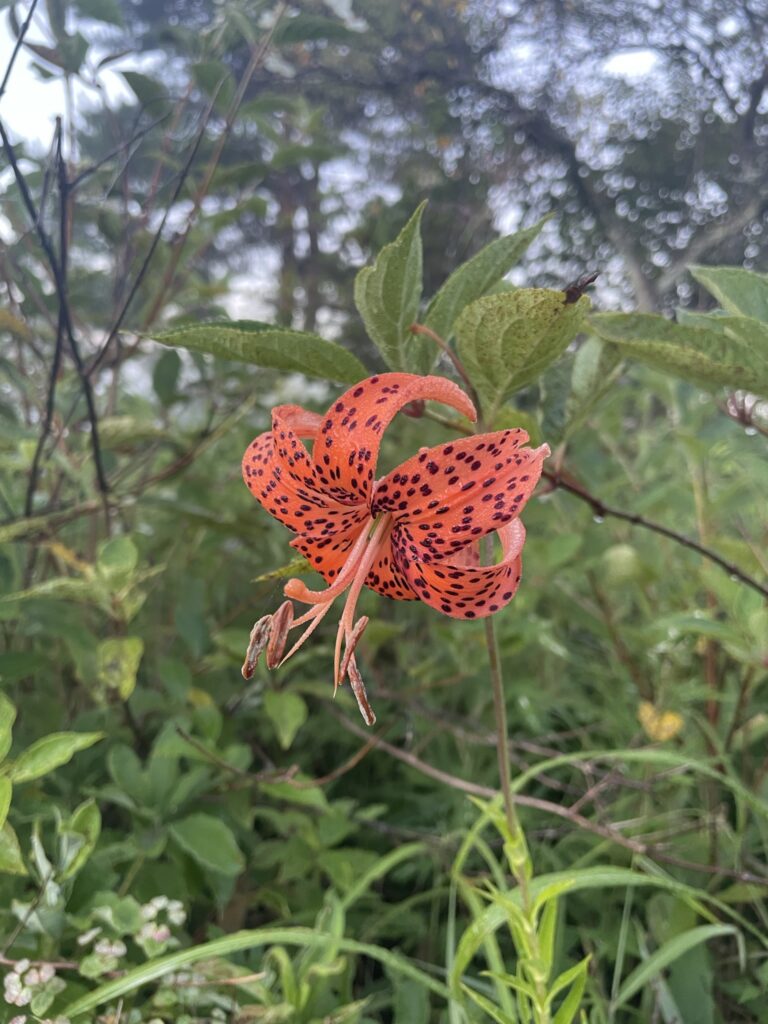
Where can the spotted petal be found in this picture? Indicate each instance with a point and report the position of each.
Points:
(466, 592)
(388, 579)
(447, 497)
(331, 536)
(278, 471)
(347, 445)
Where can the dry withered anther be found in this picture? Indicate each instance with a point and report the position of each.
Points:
(358, 688)
(282, 621)
(256, 644)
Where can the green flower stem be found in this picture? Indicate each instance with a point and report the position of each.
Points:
(517, 864)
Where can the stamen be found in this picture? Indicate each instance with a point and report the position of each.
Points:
(378, 539)
(349, 650)
(358, 688)
(281, 624)
(256, 644)
(299, 591)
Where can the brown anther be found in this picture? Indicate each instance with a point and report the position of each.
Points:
(282, 621)
(349, 650)
(256, 644)
(358, 688)
(415, 409)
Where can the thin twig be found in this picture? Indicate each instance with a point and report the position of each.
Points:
(118, 321)
(560, 481)
(58, 270)
(600, 509)
(257, 56)
(444, 347)
(607, 832)
(121, 148)
(17, 47)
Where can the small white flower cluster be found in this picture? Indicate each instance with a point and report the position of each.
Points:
(22, 981)
(110, 947)
(160, 907)
(22, 1019)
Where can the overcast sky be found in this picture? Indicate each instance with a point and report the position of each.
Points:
(30, 104)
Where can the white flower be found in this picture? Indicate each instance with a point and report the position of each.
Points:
(20, 997)
(46, 972)
(148, 912)
(176, 913)
(156, 932)
(159, 902)
(21, 1019)
(106, 947)
(16, 992)
(89, 936)
(12, 985)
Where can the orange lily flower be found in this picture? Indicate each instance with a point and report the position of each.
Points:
(410, 535)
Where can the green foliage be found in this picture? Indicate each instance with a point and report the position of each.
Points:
(506, 341)
(387, 296)
(740, 292)
(713, 350)
(248, 341)
(476, 277)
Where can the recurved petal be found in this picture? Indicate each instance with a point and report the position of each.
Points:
(278, 471)
(467, 592)
(347, 444)
(447, 497)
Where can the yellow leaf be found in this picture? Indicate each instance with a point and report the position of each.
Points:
(659, 726)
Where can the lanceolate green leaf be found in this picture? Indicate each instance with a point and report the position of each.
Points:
(667, 954)
(307, 938)
(275, 348)
(50, 752)
(738, 291)
(557, 883)
(507, 340)
(476, 277)
(388, 295)
(715, 357)
(571, 1005)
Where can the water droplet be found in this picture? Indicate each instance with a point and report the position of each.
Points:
(598, 519)
(734, 576)
(750, 431)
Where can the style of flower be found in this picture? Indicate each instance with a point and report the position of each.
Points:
(411, 535)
